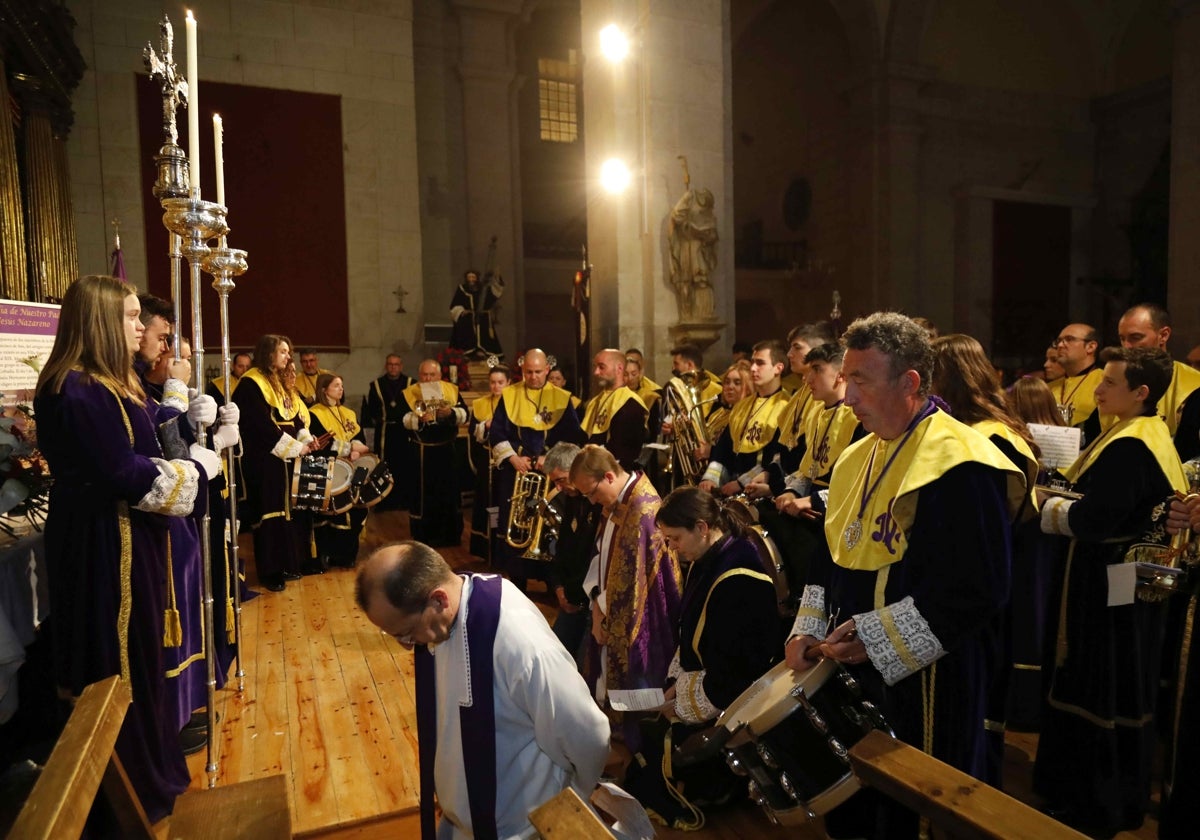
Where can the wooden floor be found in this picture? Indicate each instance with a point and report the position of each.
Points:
(329, 702)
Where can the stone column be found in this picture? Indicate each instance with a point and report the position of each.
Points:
(671, 96)
(1183, 257)
(13, 278)
(68, 243)
(487, 69)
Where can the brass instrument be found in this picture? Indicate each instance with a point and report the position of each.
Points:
(531, 517)
(1162, 570)
(682, 404)
(430, 406)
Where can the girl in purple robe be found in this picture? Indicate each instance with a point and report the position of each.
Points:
(106, 534)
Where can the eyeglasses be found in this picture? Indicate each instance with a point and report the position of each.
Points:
(588, 494)
(1066, 339)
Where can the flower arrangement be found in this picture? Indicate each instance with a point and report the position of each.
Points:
(454, 367)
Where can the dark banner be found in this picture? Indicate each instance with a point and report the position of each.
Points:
(285, 190)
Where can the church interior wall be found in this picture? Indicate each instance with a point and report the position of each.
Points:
(364, 57)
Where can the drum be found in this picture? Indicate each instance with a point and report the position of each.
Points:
(312, 477)
(772, 562)
(341, 487)
(791, 733)
(372, 481)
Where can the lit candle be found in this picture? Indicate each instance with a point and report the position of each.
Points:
(193, 80)
(219, 156)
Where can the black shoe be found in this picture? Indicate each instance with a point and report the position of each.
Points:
(199, 721)
(192, 740)
(272, 584)
(290, 575)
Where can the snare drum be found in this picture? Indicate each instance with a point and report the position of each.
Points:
(341, 488)
(372, 481)
(791, 734)
(312, 479)
(772, 563)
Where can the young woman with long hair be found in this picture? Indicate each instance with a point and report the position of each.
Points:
(106, 533)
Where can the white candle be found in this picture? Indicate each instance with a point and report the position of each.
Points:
(193, 80)
(219, 156)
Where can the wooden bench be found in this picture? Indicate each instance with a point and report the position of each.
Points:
(83, 761)
(962, 805)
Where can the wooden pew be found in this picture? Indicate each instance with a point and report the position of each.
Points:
(960, 804)
(82, 760)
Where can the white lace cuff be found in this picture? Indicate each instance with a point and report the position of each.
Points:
(801, 485)
(481, 432)
(1054, 516)
(341, 448)
(175, 395)
(811, 619)
(691, 703)
(674, 669)
(715, 472)
(287, 448)
(824, 497)
(455, 311)
(898, 640)
(460, 416)
(304, 435)
(174, 491)
(501, 452)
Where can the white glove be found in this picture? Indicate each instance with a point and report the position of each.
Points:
(201, 408)
(206, 458)
(225, 436)
(229, 414)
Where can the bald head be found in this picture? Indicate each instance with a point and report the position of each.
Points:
(609, 370)
(534, 367)
(410, 592)
(429, 371)
(1145, 325)
(1077, 345)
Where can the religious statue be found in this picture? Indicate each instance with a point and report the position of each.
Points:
(471, 310)
(692, 236)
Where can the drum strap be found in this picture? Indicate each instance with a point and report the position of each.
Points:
(697, 816)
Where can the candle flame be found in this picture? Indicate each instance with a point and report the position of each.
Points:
(190, 16)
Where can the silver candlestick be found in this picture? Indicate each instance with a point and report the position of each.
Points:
(225, 263)
(195, 222)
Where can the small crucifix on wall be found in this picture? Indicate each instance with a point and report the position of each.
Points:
(400, 294)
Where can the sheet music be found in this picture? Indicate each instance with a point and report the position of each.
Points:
(1059, 444)
(636, 699)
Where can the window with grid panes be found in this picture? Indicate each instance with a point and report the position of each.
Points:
(558, 100)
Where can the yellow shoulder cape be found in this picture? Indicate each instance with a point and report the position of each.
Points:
(535, 409)
(602, 407)
(938, 444)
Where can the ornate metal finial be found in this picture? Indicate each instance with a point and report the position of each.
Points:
(116, 226)
(161, 66)
(493, 362)
(551, 362)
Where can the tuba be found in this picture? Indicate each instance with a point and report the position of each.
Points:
(532, 518)
(682, 403)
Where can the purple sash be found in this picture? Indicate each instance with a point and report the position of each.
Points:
(478, 721)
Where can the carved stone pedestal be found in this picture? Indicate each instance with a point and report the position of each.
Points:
(702, 333)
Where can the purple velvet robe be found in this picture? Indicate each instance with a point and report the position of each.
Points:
(103, 554)
(643, 589)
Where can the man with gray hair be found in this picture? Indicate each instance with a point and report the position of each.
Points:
(914, 572)
(572, 550)
(504, 720)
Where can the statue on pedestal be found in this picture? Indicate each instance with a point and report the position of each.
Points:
(692, 236)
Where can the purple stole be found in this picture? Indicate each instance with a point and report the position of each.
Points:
(478, 720)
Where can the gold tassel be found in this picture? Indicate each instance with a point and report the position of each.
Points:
(172, 628)
(230, 630)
